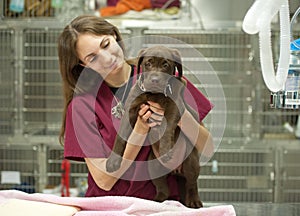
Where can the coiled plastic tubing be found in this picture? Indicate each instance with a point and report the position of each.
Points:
(258, 20)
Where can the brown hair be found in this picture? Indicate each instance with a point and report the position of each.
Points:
(69, 63)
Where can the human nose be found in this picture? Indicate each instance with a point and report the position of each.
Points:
(106, 56)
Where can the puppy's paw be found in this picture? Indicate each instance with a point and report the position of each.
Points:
(160, 197)
(193, 202)
(113, 163)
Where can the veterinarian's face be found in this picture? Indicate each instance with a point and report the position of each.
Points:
(101, 53)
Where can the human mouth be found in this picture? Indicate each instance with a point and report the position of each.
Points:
(112, 66)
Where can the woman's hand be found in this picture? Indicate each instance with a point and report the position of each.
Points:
(150, 115)
(157, 113)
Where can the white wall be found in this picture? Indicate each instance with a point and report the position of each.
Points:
(221, 13)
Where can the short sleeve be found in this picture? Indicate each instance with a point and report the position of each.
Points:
(194, 96)
(82, 134)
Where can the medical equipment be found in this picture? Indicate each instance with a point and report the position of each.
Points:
(17, 6)
(285, 85)
(258, 20)
(289, 98)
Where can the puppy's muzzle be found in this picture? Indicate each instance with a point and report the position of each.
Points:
(155, 80)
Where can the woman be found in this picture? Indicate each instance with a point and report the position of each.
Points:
(96, 80)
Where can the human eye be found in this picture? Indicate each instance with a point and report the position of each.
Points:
(92, 58)
(105, 43)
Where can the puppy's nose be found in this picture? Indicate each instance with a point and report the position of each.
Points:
(154, 79)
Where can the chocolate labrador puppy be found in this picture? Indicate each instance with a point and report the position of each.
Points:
(159, 83)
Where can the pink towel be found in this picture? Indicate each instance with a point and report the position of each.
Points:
(120, 205)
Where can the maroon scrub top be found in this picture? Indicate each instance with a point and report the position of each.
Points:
(90, 133)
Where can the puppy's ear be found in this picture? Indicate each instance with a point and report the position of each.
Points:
(140, 59)
(178, 61)
(141, 52)
(139, 64)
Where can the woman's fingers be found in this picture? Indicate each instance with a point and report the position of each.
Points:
(143, 110)
(149, 117)
(156, 108)
(157, 118)
(157, 113)
(142, 125)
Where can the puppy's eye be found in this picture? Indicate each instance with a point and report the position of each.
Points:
(166, 65)
(148, 64)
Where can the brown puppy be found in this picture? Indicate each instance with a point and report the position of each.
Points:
(158, 83)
